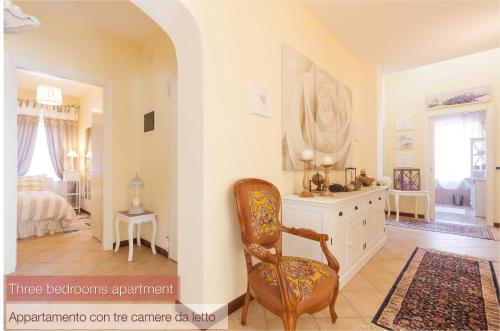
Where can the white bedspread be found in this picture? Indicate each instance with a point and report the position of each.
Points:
(40, 212)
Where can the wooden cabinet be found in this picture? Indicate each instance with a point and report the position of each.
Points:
(354, 222)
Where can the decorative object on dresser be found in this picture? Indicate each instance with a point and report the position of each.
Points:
(327, 166)
(286, 286)
(406, 179)
(71, 188)
(132, 219)
(136, 185)
(354, 221)
(364, 179)
(306, 158)
(319, 181)
(350, 175)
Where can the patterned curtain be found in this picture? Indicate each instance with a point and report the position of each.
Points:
(62, 136)
(27, 127)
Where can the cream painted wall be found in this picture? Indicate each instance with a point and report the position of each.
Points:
(63, 43)
(157, 150)
(242, 44)
(405, 93)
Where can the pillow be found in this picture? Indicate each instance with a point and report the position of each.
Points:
(32, 183)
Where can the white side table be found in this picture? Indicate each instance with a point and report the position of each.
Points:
(416, 194)
(133, 219)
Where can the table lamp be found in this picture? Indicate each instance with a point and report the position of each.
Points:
(72, 155)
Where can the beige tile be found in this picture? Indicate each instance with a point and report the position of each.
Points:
(24, 268)
(168, 268)
(366, 303)
(47, 269)
(41, 256)
(383, 282)
(80, 268)
(141, 268)
(251, 324)
(108, 269)
(358, 283)
(302, 324)
(342, 323)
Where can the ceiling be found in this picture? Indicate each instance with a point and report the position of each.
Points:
(399, 35)
(30, 80)
(119, 17)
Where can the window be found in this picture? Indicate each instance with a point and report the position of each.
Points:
(41, 163)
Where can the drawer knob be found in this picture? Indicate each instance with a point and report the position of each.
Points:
(356, 208)
(379, 198)
(370, 202)
(341, 214)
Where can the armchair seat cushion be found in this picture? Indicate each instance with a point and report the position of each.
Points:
(311, 281)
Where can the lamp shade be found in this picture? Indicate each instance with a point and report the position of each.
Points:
(72, 154)
(48, 95)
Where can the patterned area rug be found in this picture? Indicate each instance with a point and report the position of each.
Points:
(474, 231)
(442, 291)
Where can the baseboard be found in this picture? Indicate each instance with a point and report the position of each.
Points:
(235, 304)
(159, 250)
(402, 213)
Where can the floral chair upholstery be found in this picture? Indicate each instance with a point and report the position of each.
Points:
(286, 286)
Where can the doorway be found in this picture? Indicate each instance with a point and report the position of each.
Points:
(460, 167)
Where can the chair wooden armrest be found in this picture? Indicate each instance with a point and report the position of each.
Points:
(319, 237)
(261, 253)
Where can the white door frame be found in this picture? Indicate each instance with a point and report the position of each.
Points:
(10, 171)
(429, 119)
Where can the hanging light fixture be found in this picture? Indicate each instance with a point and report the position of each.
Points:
(48, 95)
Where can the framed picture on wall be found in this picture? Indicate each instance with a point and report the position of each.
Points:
(404, 141)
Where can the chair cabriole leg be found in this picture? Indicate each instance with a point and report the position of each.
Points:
(333, 314)
(244, 312)
(289, 321)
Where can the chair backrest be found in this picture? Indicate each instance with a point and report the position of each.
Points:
(259, 207)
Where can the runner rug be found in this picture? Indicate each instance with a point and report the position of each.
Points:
(442, 291)
(474, 231)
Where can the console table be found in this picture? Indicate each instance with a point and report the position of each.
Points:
(354, 221)
(416, 195)
(132, 219)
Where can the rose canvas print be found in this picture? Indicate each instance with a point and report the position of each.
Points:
(317, 113)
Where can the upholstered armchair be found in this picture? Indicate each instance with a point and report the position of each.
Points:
(286, 286)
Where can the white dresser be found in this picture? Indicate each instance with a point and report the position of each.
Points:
(354, 221)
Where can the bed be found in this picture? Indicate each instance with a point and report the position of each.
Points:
(39, 210)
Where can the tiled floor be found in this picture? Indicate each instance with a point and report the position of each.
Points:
(464, 215)
(78, 253)
(358, 301)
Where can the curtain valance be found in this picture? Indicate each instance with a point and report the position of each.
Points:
(33, 108)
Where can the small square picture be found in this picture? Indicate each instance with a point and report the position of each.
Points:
(261, 101)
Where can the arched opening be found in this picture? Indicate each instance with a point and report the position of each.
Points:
(180, 26)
